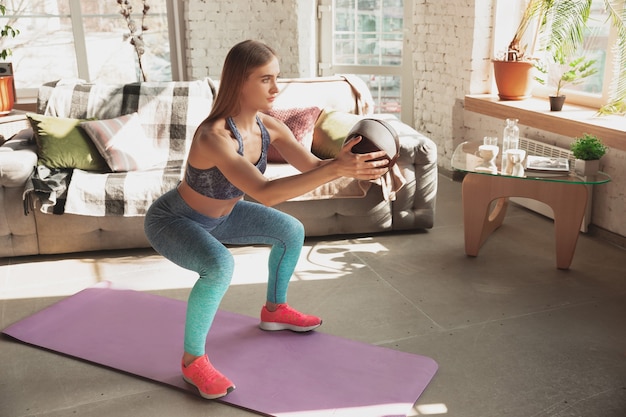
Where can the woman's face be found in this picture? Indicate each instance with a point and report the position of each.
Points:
(260, 89)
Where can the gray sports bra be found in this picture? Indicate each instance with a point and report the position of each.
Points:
(211, 182)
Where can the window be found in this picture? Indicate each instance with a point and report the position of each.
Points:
(88, 40)
(600, 37)
(365, 37)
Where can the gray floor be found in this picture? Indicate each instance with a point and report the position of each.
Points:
(513, 336)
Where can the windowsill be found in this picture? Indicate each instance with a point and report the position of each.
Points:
(572, 121)
(29, 105)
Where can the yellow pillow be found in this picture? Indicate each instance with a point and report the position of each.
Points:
(330, 130)
(61, 143)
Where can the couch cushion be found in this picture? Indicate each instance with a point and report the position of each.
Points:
(124, 145)
(330, 130)
(301, 122)
(62, 144)
(17, 159)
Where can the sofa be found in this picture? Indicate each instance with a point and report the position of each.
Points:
(52, 204)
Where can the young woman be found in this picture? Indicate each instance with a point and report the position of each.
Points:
(191, 224)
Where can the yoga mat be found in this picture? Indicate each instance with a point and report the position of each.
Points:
(276, 373)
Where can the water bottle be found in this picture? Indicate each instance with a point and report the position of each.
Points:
(510, 140)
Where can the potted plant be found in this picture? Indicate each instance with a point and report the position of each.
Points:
(587, 150)
(549, 25)
(7, 86)
(572, 73)
(554, 26)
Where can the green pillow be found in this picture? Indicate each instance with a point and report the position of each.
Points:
(330, 130)
(62, 144)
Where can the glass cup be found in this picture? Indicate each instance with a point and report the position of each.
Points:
(490, 140)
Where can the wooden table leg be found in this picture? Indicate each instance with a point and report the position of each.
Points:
(478, 221)
(567, 200)
(569, 211)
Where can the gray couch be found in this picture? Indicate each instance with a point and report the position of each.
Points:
(119, 224)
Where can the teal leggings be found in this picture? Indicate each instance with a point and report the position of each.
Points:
(196, 242)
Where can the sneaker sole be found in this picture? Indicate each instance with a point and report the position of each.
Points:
(273, 327)
(210, 396)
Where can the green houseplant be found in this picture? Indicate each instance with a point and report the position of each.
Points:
(556, 27)
(587, 150)
(550, 25)
(572, 73)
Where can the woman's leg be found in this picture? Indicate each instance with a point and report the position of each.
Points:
(183, 236)
(252, 223)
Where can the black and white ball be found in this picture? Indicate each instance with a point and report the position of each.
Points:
(377, 135)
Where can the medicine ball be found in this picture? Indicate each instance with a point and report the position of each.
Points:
(376, 135)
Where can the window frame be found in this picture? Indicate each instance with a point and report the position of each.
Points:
(327, 67)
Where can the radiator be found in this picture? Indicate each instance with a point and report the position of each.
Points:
(534, 147)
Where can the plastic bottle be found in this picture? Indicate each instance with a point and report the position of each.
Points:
(510, 139)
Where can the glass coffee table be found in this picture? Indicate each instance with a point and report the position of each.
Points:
(485, 183)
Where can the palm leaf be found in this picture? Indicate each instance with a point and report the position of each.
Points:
(564, 24)
(617, 13)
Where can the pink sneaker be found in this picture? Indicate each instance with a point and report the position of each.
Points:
(286, 318)
(209, 381)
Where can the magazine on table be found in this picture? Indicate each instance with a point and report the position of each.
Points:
(547, 163)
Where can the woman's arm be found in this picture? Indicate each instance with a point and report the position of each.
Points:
(284, 141)
(217, 147)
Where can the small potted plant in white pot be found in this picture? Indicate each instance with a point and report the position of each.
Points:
(587, 150)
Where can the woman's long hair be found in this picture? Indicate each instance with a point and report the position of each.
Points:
(240, 61)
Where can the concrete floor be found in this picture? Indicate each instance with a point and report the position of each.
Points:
(513, 335)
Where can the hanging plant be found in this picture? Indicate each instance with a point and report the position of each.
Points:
(134, 35)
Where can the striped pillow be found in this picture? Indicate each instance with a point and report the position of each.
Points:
(123, 144)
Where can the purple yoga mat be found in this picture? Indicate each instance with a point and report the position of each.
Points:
(276, 373)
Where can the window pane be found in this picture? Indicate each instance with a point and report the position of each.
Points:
(386, 91)
(373, 26)
(111, 57)
(44, 49)
(595, 47)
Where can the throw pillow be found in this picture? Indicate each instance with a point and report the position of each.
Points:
(301, 122)
(330, 130)
(62, 144)
(123, 143)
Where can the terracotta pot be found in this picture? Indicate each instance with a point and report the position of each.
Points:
(514, 79)
(7, 98)
(556, 103)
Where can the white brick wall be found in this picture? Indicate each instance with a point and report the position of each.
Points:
(214, 26)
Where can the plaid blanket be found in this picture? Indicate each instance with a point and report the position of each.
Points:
(169, 113)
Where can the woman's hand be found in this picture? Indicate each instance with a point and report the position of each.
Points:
(365, 166)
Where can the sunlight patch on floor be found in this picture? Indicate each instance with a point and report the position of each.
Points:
(149, 271)
(429, 410)
(372, 410)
